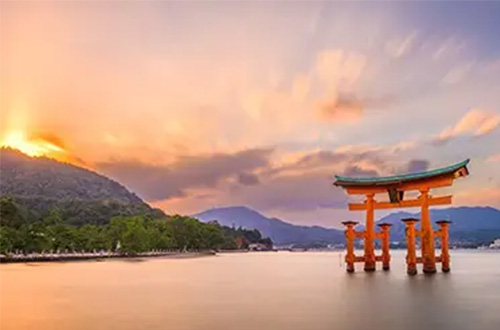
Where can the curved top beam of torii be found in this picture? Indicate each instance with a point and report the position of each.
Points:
(459, 168)
(440, 177)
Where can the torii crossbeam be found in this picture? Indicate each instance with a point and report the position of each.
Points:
(396, 186)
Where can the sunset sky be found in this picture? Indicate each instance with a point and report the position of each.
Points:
(194, 105)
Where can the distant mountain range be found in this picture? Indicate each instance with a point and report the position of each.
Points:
(40, 184)
(279, 231)
(473, 224)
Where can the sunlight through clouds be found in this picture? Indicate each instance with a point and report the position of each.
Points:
(329, 87)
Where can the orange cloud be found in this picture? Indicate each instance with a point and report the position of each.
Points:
(50, 138)
(480, 197)
(493, 159)
(339, 69)
(476, 122)
(348, 107)
(342, 108)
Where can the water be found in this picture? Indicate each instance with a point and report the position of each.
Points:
(285, 290)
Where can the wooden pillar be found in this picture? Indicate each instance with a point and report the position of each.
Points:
(385, 238)
(427, 235)
(349, 236)
(370, 234)
(445, 254)
(411, 254)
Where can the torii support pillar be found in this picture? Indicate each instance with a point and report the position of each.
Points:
(411, 254)
(349, 237)
(385, 238)
(445, 254)
(427, 235)
(370, 235)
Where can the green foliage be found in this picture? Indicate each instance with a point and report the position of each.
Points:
(35, 238)
(133, 235)
(10, 238)
(160, 235)
(11, 214)
(126, 234)
(62, 237)
(91, 237)
(80, 212)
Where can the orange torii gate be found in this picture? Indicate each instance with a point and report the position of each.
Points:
(396, 186)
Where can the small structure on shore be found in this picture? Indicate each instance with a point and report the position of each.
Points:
(396, 186)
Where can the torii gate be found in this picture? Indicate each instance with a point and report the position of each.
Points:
(396, 186)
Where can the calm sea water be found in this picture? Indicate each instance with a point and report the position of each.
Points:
(282, 290)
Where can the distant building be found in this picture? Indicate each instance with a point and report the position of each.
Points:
(258, 247)
(239, 242)
(495, 244)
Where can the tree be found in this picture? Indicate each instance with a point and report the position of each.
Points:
(160, 236)
(115, 231)
(91, 237)
(134, 239)
(133, 234)
(7, 237)
(11, 215)
(63, 237)
(213, 236)
(35, 237)
(187, 232)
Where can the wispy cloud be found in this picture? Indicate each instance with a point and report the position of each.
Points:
(340, 68)
(475, 122)
(400, 47)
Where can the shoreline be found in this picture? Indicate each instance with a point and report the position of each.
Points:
(69, 257)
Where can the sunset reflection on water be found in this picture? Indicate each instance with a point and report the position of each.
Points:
(250, 291)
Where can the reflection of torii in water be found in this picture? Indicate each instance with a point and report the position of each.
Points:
(396, 186)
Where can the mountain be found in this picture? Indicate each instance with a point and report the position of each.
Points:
(473, 224)
(279, 231)
(41, 184)
(469, 224)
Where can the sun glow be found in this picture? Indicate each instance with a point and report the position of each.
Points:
(34, 147)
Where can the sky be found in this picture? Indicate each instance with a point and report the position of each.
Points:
(194, 105)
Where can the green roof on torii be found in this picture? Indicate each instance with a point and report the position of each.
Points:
(345, 181)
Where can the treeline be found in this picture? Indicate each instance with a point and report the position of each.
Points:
(126, 234)
(79, 212)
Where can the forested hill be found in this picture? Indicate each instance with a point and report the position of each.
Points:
(40, 185)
